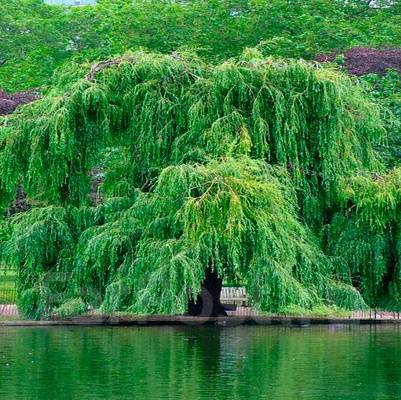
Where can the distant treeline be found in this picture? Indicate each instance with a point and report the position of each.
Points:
(37, 38)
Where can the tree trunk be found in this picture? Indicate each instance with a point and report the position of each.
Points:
(208, 303)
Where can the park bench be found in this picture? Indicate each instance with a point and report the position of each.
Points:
(234, 295)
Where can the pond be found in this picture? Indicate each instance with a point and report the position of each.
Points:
(334, 362)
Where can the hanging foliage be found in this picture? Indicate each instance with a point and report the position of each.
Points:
(365, 238)
(233, 167)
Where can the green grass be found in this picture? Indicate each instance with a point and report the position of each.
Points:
(7, 279)
(7, 282)
(320, 311)
(9, 318)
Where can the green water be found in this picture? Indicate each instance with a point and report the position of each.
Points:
(201, 363)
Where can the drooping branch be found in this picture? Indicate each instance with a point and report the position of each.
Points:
(101, 65)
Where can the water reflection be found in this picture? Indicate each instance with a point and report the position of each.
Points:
(200, 363)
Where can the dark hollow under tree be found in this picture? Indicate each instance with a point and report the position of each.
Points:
(207, 303)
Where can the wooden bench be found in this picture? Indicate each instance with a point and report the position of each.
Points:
(234, 295)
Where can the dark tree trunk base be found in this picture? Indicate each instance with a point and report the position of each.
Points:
(208, 303)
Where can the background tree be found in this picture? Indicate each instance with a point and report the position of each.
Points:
(38, 38)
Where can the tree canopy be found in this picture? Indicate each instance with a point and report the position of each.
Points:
(261, 169)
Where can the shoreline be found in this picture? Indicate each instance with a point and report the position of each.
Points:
(229, 321)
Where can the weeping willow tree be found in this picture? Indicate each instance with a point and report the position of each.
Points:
(220, 172)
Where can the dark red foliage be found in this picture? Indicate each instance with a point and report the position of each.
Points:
(9, 102)
(363, 61)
